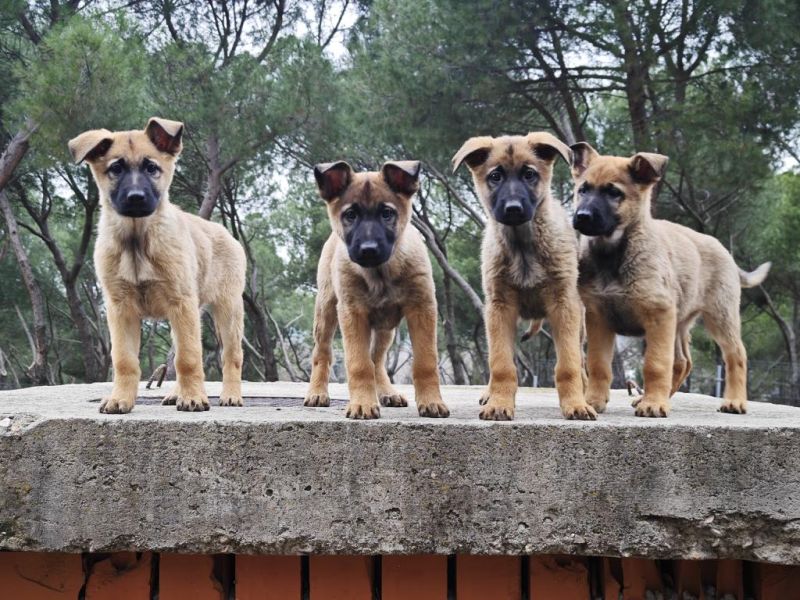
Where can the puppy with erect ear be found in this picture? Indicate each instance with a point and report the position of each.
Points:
(374, 270)
(529, 264)
(155, 261)
(641, 276)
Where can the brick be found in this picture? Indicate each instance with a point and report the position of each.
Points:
(481, 577)
(640, 575)
(121, 576)
(612, 578)
(421, 577)
(40, 576)
(340, 577)
(776, 582)
(689, 578)
(182, 576)
(267, 577)
(730, 579)
(557, 576)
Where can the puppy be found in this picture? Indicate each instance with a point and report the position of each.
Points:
(374, 270)
(529, 264)
(646, 277)
(154, 260)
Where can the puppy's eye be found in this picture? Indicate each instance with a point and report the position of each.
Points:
(583, 189)
(387, 213)
(496, 176)
(350, 215)
(615, 192)
(151, 168)
(115, 169)
(529, 174)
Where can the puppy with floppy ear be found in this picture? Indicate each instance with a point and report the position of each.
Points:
(374, 270)
(529, 264)
(154, 260)
(646, 277)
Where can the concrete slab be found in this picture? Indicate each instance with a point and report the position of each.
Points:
(276, 477)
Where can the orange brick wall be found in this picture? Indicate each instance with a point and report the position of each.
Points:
(166, 576)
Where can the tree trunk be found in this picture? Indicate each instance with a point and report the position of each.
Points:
(259, 319)
(38, 370)
(459, 372)
(214, 180)
(14, 152)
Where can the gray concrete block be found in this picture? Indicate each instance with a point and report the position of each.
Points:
(288, 479)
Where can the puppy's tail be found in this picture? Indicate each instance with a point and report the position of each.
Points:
(754, 278)
(534, 328)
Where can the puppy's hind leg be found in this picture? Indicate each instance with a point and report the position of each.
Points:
(725, 328)
(683, 358)
(229, 323)
(321, 356)
(381, 342)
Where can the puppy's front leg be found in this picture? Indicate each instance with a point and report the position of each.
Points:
(564, 314)
(600, 352)
(658, 359)
(360, 368)
(124, 326)
(422, 329)
(502, 310)
(189, 394)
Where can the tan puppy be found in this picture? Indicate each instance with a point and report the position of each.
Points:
(529, 264)
(374, 270)
(644, 276)
(154, 260)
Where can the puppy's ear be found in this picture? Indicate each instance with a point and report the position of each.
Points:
(547, 146)
(90, 145)
(474, 152)
(582, 156)
(332, 178)
(166, 135)
(647, 168)
(402, 175)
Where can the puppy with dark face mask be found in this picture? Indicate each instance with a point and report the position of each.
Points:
(374, 270)
(154, 260)
(529, 264)
(642, 276)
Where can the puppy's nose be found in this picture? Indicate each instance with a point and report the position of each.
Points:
(513, 208)
(136, 196)
(368, 249)
(583, 218)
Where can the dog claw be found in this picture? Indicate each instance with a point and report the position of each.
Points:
(227, 400)
(496, 413)
(115, 406)
(321, 399)
(362, 411)
(736, 407)
(433, 410)
(393, 400)
(579, 412)
(651, 408)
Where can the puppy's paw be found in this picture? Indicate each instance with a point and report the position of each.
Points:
(597, 401)
(362, 411)
(651, 407)
(497, 408)
(496, 413)
(580, 411)
(392, 398)
(187, 402)
(737, 407)
(317, 399)
(484, 397)
(114, 406)
(230, 400)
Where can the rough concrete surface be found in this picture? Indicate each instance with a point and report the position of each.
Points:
(289, 479)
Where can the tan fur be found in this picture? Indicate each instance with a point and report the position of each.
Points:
(368, 304)
(165, 265)
(668, 275)
(530, 272)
